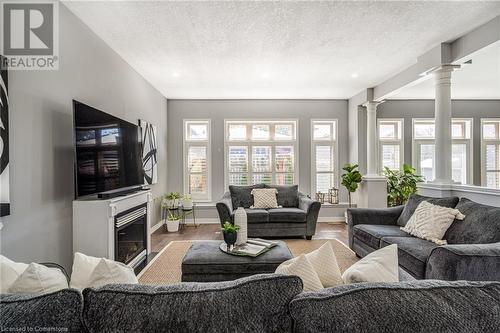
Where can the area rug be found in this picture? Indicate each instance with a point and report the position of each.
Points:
(165, 268)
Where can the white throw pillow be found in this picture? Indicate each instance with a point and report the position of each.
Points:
(378, 266)
(39, 279)
(301, 267)
(430, 222)
(109, 271)
(264, 198)
(9, 272)
(325, 264)
(83, 266)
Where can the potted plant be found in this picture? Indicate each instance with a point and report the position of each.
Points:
(172, 200)
(350, 179)
(172, 221)
(401, 184)
(230, 232)
(187, 202)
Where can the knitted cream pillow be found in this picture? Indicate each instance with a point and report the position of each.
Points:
(264, 198)
(430, 222)
(301, 267)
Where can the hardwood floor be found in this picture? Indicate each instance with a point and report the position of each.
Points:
(161, 238)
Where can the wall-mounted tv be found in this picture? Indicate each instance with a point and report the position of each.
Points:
(107, 152)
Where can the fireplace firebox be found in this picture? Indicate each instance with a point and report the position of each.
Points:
(131, 236)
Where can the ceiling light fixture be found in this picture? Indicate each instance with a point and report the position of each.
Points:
(354, 75)
(175, 74)
(265, 75)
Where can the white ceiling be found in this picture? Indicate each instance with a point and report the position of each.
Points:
(479, 80)
(275, 49)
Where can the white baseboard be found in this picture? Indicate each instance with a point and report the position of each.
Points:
(321, 219)
(205, 220)
(156, 227)
(330, 219)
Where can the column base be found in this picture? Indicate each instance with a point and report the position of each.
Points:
(373, 192)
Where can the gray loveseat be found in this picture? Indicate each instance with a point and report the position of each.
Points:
(472, 252)
(297, 215)
(260, 303)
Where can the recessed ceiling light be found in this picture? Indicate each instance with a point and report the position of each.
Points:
(265, 75)
(354, 75)
(175, 74)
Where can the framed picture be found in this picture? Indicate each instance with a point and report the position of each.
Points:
(149, 152)
(4, 141)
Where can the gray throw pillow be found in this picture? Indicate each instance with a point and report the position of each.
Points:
(416, 199)
(480, 226)
(288, 195)
(241, 196)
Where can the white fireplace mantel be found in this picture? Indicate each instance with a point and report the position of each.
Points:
(94, 223)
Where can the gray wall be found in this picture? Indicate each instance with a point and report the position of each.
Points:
(409, 109)
(218, 110)
(41, 170)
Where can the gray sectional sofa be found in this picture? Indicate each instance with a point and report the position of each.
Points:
(472, 252)
(297, 215)
(260, 303)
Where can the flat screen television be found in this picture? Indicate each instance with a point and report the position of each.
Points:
(108, 152)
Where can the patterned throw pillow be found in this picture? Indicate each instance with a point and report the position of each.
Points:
(303, 268)
(325, 264)
(264, 198)
(430, 222)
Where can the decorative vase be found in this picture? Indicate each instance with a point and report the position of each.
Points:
(172, 225)
(240, 219)
(230, 239)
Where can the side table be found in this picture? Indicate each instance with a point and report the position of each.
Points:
(184, 212)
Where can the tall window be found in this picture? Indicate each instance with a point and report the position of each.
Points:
(323, 155)
(424, 149)
(390, 143)
(197, 159)
(261, 152)
(490, 153)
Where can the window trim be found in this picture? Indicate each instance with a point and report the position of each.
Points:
(416, 143)
(400, 142)
(249, 143)
(185, 147)
(333, 143)
(484, 142)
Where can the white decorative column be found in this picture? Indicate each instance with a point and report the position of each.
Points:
(373, 189)
(441, 185)
(371, 138)
(442, 114)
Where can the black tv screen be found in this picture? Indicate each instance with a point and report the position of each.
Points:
(108, 151)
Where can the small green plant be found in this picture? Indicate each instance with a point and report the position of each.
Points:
(401, 184)
(186, 197)
(350, 179)
(230, 228)
(171, 200)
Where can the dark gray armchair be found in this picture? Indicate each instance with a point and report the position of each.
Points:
(472, 252)
(296, 216)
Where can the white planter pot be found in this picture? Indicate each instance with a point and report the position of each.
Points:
(173, 226)
(240, 219)
(187, 204)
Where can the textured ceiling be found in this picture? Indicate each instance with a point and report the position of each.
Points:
(480, 80)
(275, 49)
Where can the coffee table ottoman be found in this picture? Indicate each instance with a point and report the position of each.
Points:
(205, 262)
